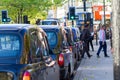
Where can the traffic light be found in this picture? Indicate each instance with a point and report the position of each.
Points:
(72, 13)
(4, 16)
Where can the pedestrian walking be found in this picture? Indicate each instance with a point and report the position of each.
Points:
(85, 35)
(90, 41)
(102, 41)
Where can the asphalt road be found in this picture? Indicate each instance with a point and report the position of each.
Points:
(95, 68)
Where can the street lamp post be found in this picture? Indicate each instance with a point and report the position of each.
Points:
(104, 11)
(84, 5)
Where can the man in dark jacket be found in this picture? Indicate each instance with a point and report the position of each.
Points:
(85, 36)
(90, 41)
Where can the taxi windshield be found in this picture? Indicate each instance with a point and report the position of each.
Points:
(9, 45)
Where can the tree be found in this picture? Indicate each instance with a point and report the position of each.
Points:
(57, 3)
(18, 8)
(116, 37)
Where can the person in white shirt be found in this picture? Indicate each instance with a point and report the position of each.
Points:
(102, 41)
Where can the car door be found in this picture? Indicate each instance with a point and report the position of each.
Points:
(51, 65)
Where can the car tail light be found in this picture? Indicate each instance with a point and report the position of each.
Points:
(26, 75)
(70, 48)
(61, 60)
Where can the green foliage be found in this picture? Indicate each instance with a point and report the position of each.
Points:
(25, 7)
(57, 2)
(33, 8)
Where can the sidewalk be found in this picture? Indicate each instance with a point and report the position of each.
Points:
(96, 68)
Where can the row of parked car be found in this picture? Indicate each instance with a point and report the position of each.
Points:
(44, 52)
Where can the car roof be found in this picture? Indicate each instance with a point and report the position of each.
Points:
(50, 26)
(14, 26)
(50, 20)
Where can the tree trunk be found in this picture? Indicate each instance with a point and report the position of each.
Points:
(116, 37)
(55, 12)
(21, 12)
(18, 17)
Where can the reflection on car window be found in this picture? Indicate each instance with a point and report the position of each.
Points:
(64, 38)
(52, 38)
(69, 36)
(9, 45)
(35, 45)
(43, 45)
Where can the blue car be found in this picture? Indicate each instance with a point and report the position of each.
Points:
(25, 54)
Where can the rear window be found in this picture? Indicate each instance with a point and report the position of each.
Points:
(49, 23)
(9, 45)
(52, 38)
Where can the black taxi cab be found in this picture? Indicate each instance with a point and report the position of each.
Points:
(25, 54)
(71, 43)
(58, 43)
